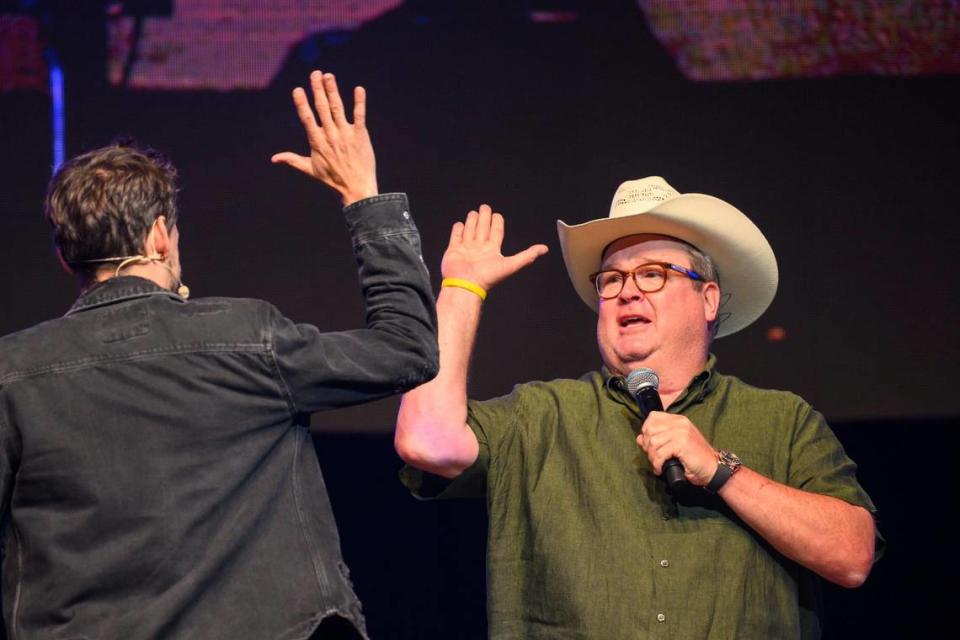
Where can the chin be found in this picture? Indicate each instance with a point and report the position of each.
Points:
(623, 355)
(633, 352)
(624, 363)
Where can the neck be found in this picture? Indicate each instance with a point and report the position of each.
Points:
(675, 380)
(153, 271)
(675, 372)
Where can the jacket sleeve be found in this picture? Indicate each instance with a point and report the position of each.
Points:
(398, 348)
(9, 460)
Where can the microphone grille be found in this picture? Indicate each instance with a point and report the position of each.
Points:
(640, 378)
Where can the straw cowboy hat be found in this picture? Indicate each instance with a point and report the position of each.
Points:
(743, 257)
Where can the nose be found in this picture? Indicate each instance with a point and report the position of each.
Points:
(630, 290)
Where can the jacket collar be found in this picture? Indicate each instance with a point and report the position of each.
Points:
(119, 289)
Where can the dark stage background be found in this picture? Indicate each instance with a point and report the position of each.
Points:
(851, 177)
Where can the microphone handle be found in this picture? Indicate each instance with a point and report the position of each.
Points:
(674, 472)
(649, 400)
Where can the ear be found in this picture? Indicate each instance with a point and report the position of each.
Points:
(158, 240)
(711, 300)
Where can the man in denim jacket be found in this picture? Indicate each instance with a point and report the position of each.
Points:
(156, 465)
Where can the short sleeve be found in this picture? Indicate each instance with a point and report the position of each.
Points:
(819, 464)
(491, 422)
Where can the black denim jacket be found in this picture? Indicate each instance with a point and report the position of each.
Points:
(157, 472)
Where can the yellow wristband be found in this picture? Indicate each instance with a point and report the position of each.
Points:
(465, 284)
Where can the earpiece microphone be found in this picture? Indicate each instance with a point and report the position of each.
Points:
(182, 290)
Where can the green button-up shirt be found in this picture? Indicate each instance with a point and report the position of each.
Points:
(586, 542)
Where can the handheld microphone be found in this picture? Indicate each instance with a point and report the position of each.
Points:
(643, 385)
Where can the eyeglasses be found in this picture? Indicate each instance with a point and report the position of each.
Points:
(648, 277)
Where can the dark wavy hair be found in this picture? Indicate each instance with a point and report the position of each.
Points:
(102, 203)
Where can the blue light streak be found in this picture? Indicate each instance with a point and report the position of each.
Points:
(58, 110)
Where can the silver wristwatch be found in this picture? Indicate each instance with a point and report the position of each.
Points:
(727, 465)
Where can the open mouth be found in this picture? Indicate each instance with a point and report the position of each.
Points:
(628, 321)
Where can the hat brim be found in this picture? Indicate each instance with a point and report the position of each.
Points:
(742, 255)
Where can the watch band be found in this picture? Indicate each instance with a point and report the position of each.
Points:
(727, 465)
(720, 478)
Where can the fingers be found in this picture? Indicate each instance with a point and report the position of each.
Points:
(496, 228)
(359, 107)
(320, 100)
(470, 227)
(666, 436)
(334, 100)
(483, 223)
(304, 112)
(658, 448)
(456, 234)
(483, 226)
(328, 104)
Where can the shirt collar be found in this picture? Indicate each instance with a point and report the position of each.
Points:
(119, 289)
(698, 389)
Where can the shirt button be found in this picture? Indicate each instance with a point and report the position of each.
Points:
(664, 563)
(661, 617)
(406, 215)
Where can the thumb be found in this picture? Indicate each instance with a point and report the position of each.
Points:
(292, 159)
(526, 257)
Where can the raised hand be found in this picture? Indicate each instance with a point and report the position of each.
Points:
(474, 250)
(341, 155)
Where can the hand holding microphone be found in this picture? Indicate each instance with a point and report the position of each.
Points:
(644, 385)
(671, 441)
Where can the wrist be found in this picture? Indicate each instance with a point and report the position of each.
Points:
(352, 196)
(728, 464)
(465, 284)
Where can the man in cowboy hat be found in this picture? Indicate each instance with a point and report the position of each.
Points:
(586, 539)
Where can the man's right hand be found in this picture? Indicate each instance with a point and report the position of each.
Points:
(341, 155)
(474, 252)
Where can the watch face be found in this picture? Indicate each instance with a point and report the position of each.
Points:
(729, 459)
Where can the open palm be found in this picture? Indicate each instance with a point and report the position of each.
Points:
(474, 252)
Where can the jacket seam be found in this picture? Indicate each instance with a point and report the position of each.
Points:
(362, 238)
(83, 363)
(318, 572)
(15, 609)
(120, 297)
(288, 396)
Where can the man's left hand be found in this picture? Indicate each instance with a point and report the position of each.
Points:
(668, 435)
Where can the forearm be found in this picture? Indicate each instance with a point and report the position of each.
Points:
(395, 283)
(396, 351)
(432, 432)
(826, 535)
